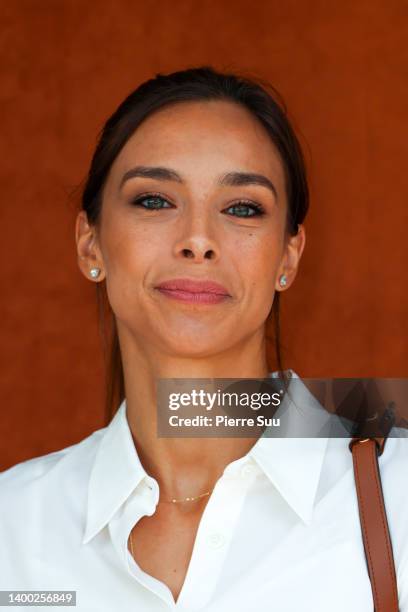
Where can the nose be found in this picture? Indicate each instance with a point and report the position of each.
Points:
(198, 240)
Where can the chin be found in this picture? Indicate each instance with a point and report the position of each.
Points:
(193, 349)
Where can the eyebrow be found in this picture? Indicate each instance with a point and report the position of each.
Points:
(231, 179)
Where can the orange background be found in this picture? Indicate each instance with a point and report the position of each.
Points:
(342, 68)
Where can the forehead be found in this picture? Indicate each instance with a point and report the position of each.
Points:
(202, 138)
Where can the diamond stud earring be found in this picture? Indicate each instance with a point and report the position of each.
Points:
(94, 272)
(282, 280)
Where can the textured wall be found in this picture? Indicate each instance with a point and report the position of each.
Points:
(65, 65)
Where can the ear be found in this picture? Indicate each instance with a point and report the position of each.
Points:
(89, 254)
(291, 258)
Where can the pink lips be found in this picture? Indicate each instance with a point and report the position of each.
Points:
(194, 291)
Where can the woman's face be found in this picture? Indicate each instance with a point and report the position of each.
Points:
(197, 220)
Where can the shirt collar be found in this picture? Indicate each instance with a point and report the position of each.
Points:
(293, 465)
(115, 473)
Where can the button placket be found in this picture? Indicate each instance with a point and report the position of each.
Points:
(210, 548)
(247, 470)
(216, 539)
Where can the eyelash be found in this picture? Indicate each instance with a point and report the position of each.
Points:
(258, 210)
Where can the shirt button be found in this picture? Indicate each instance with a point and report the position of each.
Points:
(216, 540)
(149, 489)
(247, 470)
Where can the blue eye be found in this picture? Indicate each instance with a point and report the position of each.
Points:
(154, 202)
(257, 211)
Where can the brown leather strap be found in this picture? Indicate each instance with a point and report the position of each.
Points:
(373, 519)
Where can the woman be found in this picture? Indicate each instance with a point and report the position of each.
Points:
(197, 186)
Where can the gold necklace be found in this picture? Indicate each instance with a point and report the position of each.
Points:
(170, 501)
(177, 501)
(131, 544)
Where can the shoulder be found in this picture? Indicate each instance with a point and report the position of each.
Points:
(393, 465)
(43, 504)
(24, 480)
(395, 455)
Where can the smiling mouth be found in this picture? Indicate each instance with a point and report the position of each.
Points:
(194, 291)
(193, 297)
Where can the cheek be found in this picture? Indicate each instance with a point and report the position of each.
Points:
(258, 262)
(128, 254)
(256, 259)
(124, 251)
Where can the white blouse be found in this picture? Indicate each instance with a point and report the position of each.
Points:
(280, 531)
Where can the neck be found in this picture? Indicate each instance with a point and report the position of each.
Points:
(183, 467)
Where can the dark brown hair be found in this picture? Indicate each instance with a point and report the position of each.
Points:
(193, 84)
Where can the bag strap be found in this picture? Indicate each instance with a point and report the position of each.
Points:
(373, 520)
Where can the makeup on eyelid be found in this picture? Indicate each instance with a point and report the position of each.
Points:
(257, 208)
